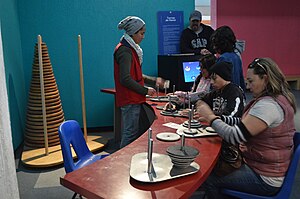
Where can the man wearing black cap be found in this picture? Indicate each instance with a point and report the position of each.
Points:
(226, 98)
(196, 38)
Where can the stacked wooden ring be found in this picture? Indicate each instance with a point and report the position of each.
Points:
(34, 129)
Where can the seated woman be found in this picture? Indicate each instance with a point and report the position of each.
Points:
(201, 84)
(264, 134)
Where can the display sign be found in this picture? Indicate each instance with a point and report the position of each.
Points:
(170, 26)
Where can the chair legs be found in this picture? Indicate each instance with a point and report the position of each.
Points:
(75, 194)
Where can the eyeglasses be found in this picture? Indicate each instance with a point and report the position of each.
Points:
(256, 62)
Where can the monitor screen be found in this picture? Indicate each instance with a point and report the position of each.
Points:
(191, 69)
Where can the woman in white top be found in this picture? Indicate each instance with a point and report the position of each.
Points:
(264, 133)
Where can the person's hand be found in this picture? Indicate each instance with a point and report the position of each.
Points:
(205, 52)
(169, 106)
(160, 82)
(178, 93)
(196, 116)
(205, 112)
(151, 91)
(185, 112)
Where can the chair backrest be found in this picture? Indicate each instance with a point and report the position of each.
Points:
(286, 188)
(70, 133)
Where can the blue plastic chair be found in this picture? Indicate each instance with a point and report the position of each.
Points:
(287, 185)
(70, 133)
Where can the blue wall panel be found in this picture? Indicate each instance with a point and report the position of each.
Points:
(13, 64)
(59, 23)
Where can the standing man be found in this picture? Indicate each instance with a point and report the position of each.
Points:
(196, 38)
(129, 79)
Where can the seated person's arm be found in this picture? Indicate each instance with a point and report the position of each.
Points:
(196, 96)
(231, 134)
(259, 118)
(230, 120)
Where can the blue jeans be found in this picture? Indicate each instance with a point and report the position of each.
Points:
(130, 123)
(244, 179)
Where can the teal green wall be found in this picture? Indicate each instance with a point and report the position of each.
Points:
(14, 71)
(59, 22)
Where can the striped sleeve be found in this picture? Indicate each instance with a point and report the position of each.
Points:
(230, 120)
(235, 134)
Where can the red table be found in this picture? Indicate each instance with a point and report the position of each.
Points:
(110, 177)
(117, 114)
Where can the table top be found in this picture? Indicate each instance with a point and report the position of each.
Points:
(110, 177)
(108, 90)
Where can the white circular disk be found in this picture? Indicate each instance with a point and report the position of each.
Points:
(168, 136)
(210, 129)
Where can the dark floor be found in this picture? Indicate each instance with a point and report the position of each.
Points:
(44, 183)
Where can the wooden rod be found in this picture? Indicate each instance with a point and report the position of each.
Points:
(82, 88)
(43, 94)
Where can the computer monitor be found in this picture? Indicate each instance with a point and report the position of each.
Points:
(191, 69)
(171, 67)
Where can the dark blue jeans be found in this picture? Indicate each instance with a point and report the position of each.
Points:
(244, 179)
(130, 123)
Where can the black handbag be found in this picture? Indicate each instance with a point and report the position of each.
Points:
(147, 117)
(230, 159)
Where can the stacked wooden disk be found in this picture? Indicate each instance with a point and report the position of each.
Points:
(34, 130)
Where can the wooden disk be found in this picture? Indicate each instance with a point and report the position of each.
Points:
(45, 60)
(35, 102)
(41, 127)
(37, 105)
(51, 139)
(48, 108)
(52, 115)
(49, 99)
(40, 145)
(46, 79)
(38, 102)
(56, 121)
(46, 74)
(36, 132)
(41, 137)
(40, 120)
(34, 117)
(46, 65)
(47, 95)
(47, 89)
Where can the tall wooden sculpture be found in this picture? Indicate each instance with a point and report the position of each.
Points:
(45, 114)
(34, 130)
